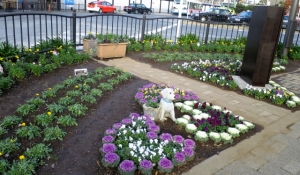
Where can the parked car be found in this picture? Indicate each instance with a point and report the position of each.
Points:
(215, 14)
(285, 21)
(137, 8)
(243, 17)
(101, 7)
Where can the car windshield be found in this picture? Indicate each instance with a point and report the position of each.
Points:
(245, 14)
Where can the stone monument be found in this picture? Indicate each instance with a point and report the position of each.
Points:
(262, 40)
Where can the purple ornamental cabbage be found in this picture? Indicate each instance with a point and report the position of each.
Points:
(108, 139)
(151, 135)
(127, 166)
(189, 143)
(108, 148)
(178, 139)
(166, 136)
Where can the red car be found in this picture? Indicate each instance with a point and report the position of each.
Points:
(101, 7)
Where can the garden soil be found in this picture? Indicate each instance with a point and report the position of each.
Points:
(79, 152)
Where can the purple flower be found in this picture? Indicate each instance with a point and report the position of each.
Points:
(177, 97)
(150, 123)
(179, 157)
(165, 163)
(110, 131)
(139, 95)
(108, 139)
(189, 152)
(189, 143)
(151, 135)
(147, 118)
(127, 166)
(134, 116)
(178, 139)
(154, 128)
(117, 125)
(126, 121)
(194, 97)
(146, 164)
(143, 101)
(108, 148)
(166, 136)
(111, 158)
(186, 97)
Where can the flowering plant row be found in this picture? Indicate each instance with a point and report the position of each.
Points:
(136, 143)
(208, 121)
(216, 71)
(150, 95)
(278, 95)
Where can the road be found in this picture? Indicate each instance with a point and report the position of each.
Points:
(26, 30)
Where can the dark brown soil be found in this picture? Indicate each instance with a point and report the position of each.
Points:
(79, 153)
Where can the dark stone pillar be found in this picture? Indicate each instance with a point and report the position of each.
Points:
(262, 40)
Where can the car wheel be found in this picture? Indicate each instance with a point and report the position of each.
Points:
(136, 12)
(100, 11)
(203, 19)
(149, 13)
(128, 12)
(91, 11)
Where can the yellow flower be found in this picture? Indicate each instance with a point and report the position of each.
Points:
(23, 124)
(84, 84)
(37, 50)
(49, 113)
(49, 88)
(12, 141)
(70, 76)
(37, 94)
(76, 87)
(0, 153)
(17, 56)
(29, 50)
(21, 157)
(1, 58)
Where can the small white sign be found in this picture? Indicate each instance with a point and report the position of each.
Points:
(80, 72)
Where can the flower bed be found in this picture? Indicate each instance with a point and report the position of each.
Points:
(208, 121)
(136, 143)
(150, 95)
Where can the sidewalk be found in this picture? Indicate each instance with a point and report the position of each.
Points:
(275, 150)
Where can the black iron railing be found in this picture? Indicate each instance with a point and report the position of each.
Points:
(26, 29)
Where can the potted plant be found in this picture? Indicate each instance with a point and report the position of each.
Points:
(87, 39)
(111, 45)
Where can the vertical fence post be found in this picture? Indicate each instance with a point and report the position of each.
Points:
(207, 30)
(143, 26)
(73, 28)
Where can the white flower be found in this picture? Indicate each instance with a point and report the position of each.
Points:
(189, 103)
(122, 127)
(120, 145)
(225, 136)
(197, 117)
(182, 121)
(249, 125)
(216, 107)
(225, 111)
(204, 115)
(196, 111)
(240, 118)
(178, 105)
(243, 128)
(215, 136)
(187, 117)
(296, 99)
(190, 128)
(201, 136)
(233, 132)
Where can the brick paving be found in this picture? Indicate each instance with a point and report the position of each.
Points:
(275, 150)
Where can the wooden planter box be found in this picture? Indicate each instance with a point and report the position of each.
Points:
(111, 50)
(86, 44)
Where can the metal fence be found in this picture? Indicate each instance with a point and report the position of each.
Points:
(26, 29)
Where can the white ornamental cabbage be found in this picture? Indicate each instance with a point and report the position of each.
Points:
(215, 136)
(187, 117)
(242, 128)
(201, 136)
(190, 128)
(233, 132)
(204, 115)
(196, 111)
(182, 121)
(178, 105)
(296, 99)
(240, 118)
(291, 104)
(249, 125)
(197, 117)
(216, 107)
(189, 103)
(226, 137)
(186, 108)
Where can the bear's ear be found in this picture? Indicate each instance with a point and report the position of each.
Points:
(164, 93)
